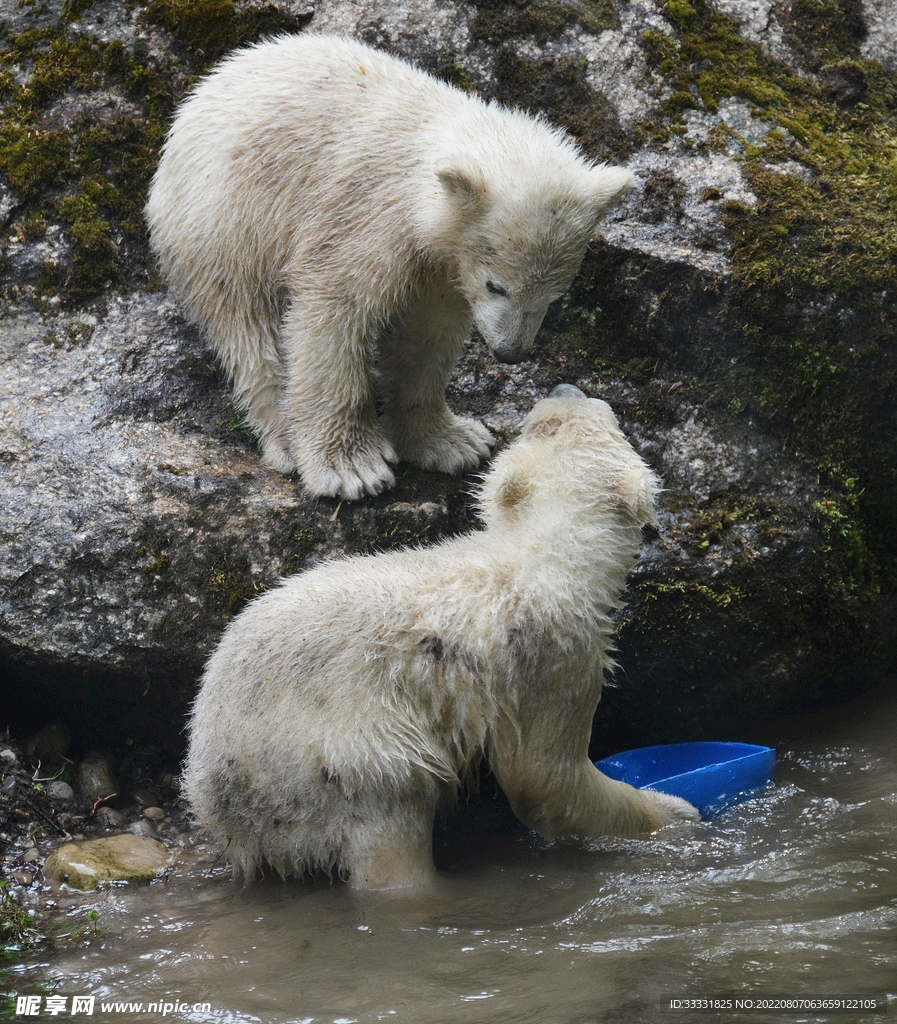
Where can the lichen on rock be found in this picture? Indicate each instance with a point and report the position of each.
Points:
(122, 858)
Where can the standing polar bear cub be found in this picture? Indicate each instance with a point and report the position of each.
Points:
(331, 215)
(340, 708)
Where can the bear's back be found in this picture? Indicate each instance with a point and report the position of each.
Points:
(317, 102)
(318, 87)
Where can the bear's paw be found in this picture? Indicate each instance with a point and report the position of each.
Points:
(354, 470)
(455, 445)
(672, 808)
(276, 456)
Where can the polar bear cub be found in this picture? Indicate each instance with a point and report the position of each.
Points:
(341, 707)
(331, 216)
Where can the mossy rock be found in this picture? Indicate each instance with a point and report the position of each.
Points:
(122, 858)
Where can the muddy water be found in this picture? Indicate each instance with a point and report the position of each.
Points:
(793, 894)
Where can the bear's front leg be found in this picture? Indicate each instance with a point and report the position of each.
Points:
(417, 355)
(577, 800)
(335, 439)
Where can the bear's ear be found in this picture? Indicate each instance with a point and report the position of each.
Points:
(543, 426)
(465, 184)
(503, 490)
(635, 490)
(511, 491)
(608, 186)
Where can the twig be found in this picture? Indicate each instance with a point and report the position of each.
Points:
(97, 803)
(47, 819)
(50, 778)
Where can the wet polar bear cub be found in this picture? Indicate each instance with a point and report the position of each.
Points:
(330, 215)
(341, 707)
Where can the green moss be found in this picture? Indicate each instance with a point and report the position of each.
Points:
(711, 526)
(87, 171)
(693, 599)
(232, 586)
(498, 20)
(208, 29)
(559, 87)
(236, 424)
(81, 129)
(815, 261)
(16, 930)
(73, 9)
(452, 72)
(154, 555)
(822, 31)
(679, 12)
(94, 260)
(298, 547)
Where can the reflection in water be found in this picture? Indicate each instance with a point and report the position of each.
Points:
(791, 894)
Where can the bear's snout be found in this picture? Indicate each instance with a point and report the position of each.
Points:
(506, 353)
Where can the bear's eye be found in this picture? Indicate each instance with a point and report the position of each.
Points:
(496, 289)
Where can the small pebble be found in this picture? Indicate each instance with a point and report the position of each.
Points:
(147, 797)
(9, 786)
(60, 792)
(22, 876)
(154, 813)
(169, 780)
(8, 755)
(109, 817)
(142, 828)
(32, 856)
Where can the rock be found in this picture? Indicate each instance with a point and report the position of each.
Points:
(60, 792)
(31, 856)
(737, 310)
(119, 858)
(170, 781)
(108, 817)
(142, 827)
(8, 756)
(154, 813)
(146, 797)
(9, 786)
(96, 777)
(21, 877)
(51, 741)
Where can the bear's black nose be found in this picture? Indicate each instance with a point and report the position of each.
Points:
(566, 391)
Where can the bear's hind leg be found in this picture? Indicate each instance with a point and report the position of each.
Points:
(338, 446)
(417, 356)
(244, 331)
(393, 851)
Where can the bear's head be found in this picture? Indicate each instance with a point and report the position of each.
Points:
(570, 463)
(521, 241)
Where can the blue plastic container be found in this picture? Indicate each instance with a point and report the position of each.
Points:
(712, 776)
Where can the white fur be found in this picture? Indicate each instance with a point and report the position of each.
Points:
(323, 207)
(341, 707)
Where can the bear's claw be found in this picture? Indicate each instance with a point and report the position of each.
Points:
(351, 473)
(455, 448)
(673, 808)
